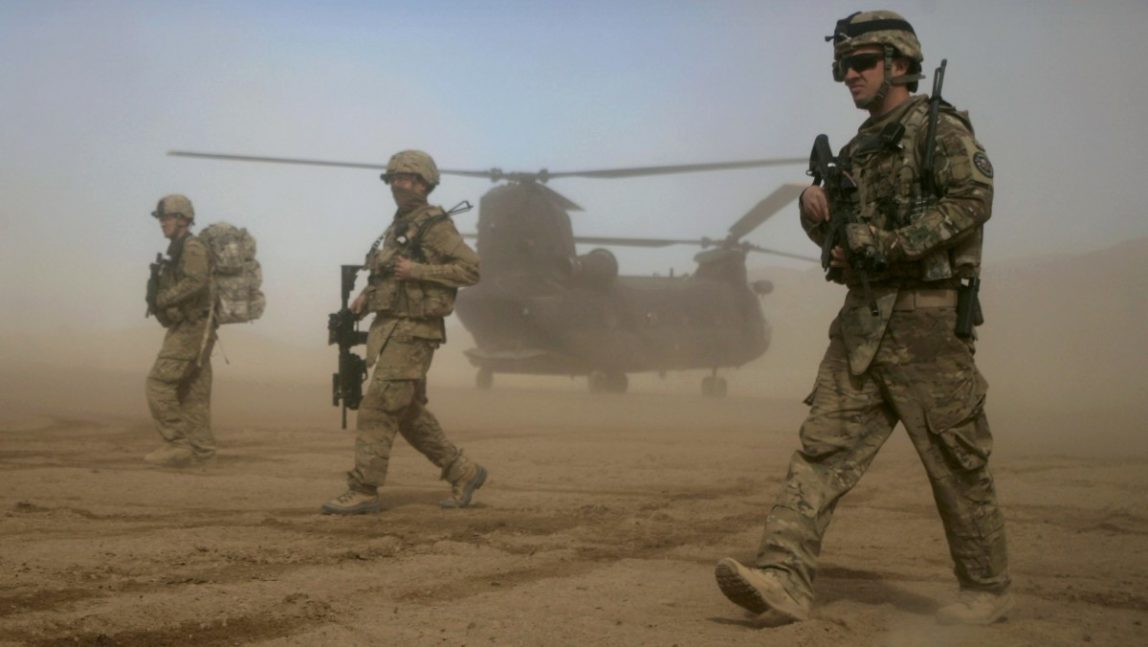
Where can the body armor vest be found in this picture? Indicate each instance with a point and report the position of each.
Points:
(885, 161)
(412, 299)
(173, 272)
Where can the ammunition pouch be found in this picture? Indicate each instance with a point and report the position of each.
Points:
(426, 300)
(168, 317)
(382, 295)
(411, 299)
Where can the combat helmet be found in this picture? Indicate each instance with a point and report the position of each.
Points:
(887, 29)
(412, 161)
(174, 204)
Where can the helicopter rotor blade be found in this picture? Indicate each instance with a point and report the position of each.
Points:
(666, 242)
(493, 174)
(276, 160)
(636, 242)
(496, 174)
(768, 206)
(765, 250)
(678, 168)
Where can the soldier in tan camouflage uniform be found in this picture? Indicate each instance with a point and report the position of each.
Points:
(904, 364)
(179, 385)
(414, 276)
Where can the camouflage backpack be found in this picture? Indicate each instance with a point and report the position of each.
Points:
(236, 274)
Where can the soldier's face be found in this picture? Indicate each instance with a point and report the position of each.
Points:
(173, 226)
(405, 184)
(408, 181)
(865, 72)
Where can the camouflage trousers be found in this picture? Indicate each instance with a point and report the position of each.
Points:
(179, 396)
(392, 407)
(924, 377)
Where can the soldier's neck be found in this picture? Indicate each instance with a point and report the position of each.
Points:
(897, 95)
(407, 209)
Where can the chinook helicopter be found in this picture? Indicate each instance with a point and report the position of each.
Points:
(543, 309)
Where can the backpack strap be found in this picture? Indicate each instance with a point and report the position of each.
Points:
(416, 243)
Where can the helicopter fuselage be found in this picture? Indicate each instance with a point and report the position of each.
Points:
(635, 324)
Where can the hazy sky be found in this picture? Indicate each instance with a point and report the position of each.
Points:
(95, 93)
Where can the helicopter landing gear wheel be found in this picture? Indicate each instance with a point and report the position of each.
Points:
(596, 381)
(484, 379)
(601, 382)
(714, 386)
(619, 383)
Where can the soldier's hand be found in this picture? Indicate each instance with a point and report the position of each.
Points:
(359, 303)
(839, 259)
(815, 204)
(403, 268)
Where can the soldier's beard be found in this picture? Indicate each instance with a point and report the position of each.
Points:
(407, 200)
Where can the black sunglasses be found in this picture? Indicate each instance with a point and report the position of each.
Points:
(390, 177)
(858, 62)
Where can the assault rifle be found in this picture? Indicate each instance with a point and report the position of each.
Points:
(342, 326)
(863, 256)
(969, 313)
(928, 187)
(968, 299)
(153, 284)
(342, 329)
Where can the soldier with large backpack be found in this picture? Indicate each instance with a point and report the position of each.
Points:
(180, 296)
(205, 281)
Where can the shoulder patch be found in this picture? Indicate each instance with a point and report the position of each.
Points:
(983, 164)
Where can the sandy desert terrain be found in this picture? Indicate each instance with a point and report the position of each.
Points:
(600, 526)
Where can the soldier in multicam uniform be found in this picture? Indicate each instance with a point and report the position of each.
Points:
(904, 364)
(179, 385)
(414, 276)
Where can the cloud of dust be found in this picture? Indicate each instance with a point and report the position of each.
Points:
(1064, 335)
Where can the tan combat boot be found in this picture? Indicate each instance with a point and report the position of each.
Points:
(976, 608)
(759, 591)
(171, 456)
(353, 502)
(465, 478)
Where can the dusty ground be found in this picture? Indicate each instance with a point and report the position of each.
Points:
(600, 526)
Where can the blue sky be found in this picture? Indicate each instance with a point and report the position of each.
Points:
(96, 92)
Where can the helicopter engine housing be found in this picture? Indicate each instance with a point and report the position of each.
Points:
(597, 269)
